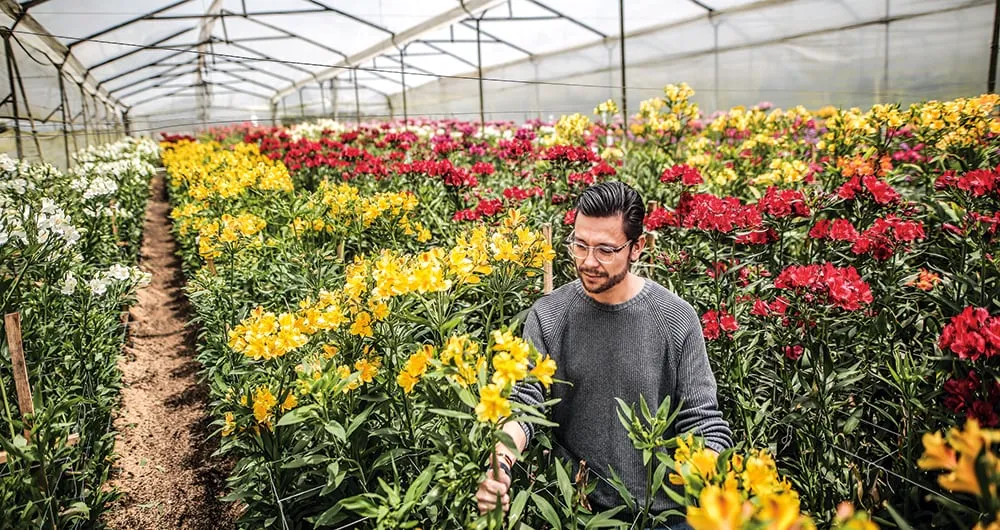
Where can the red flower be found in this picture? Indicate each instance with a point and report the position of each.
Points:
(714, 322)
(882, 192)
(658, 218)
(760, 308)
(794, 353)
(758, 237)
(688, 175)
(843, 287)
(821, 230)
(705, 211)
(483, 168)
(570, 217)
(843, 230)
(569, 154)
(972, 334)
(489, 207)
(780, 203)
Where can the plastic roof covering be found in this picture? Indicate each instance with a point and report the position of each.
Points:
(182, 64)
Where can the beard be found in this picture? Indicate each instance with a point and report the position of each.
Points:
(603, 285)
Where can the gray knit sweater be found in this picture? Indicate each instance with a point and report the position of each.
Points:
(649, 346)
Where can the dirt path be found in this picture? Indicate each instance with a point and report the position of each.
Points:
(164, 470)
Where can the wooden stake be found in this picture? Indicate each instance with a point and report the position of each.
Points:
(211, 265)
(12, 324)
(340, 251)
(114, 219)
(547, 283)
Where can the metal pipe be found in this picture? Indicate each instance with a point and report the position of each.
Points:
(83, 112)
(322, 98)
(402, 78)
(357, 100)
(302, 105)
(992, 83)
(621, 40)
(126, 123)
(27, 108)
(13, 92)
(62, 106)
(479, 65)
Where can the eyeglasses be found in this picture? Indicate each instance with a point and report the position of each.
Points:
(602, 253)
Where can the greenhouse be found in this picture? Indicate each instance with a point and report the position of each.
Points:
(525, 264)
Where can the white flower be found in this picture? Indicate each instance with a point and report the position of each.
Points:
(69, 284)
(119, 272)
(7, 164)
(98, 285)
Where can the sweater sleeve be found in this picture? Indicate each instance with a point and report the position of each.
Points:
(531, 394)
(696, 388)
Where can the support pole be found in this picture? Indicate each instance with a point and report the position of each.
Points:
(126, 123)
(715, 59)
(83, 112)
(335, 100)
(65, 113)
(992, 84)
(302, 105)
(479, 65)
(12, 325)
(13, 92)
(274, 114)
(621, 29)
(322, 98)
(27, 108)
(402, 76)
(357, 98)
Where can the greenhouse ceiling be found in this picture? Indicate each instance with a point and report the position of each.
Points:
(196, 60)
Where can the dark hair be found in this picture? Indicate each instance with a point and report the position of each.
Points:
(613, 198)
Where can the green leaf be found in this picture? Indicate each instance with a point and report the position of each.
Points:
(565, 486)
(457, 414)
(517, 507)
(297, 415)
(548, 512)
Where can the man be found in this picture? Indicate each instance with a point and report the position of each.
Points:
(613, 334)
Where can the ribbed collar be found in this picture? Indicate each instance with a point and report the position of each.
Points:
(640, 296)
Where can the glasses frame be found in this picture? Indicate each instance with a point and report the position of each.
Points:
(570, 243)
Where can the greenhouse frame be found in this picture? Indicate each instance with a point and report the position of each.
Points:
(82, 71)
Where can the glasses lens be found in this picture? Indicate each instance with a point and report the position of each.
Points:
(577, 250)
(604, 254)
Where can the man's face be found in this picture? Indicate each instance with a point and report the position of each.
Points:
(606, 233)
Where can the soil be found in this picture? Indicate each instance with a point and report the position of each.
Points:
(164, 469)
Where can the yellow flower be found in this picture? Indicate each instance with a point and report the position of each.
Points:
(963, 477)
(263, 402)
(718, 510)
(779, 511)
(329, 350)
(704, 462)
(937, 454)
(230, 425)
(508, 370)
(362, 325)
(368, 369)
(407, 381)
(492, 405)
(290, 402)
(544, 370)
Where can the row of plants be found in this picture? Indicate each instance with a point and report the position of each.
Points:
(844, 263)
(69, 242)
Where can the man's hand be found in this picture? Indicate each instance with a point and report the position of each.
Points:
(496, 483)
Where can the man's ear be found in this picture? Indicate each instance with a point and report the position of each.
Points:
(637, 247)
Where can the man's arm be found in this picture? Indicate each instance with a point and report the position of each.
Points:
(697, 389)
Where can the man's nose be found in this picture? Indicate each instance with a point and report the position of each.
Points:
(591, 261)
